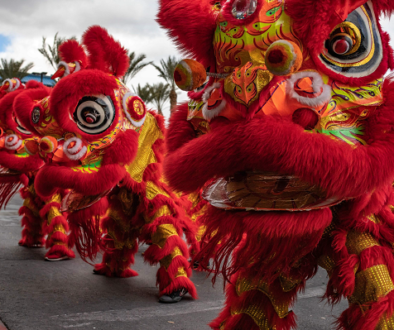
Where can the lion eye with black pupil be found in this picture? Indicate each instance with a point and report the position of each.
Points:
(94, 114)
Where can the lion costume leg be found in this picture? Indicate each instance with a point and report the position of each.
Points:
(56, 226)
(165, 222)
(119, 243)
(32, 233)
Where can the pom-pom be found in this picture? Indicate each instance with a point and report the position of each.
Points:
(48, 144)
(283, 58)
(189, 75)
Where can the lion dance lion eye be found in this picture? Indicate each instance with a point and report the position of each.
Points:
(243, 8)
(354, 47)
(94, 114)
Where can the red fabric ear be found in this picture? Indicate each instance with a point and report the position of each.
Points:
(105, 53)
(71, 51)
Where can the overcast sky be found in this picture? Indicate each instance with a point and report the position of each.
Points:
(132, 22)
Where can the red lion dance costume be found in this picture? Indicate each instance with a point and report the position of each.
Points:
(103, 153)
(292, 141)
(20, 168)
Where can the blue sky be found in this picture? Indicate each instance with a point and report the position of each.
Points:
(4, 42)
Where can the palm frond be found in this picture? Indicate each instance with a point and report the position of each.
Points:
(14, 69)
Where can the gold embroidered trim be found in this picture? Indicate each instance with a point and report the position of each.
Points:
(162, 233)
(371, 284)
(166, 261)
(357, 242)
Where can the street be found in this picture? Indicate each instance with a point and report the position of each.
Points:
(40, 295)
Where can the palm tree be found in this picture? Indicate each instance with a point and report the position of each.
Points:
(51, 53)
(136, 65)
(14, 69)
(145, 92)
(166, 71)
(159, 95)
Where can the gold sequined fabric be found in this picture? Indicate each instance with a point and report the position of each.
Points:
(149, 134)
(162, 233)
(327, 263)
(257, 315)
(166, 261)
(371, 284)
(181, 272)
(357, 242)
(244, 285)
(162, 211)
(288, 283)
(152, 191)
(386, 323)
(53, 213)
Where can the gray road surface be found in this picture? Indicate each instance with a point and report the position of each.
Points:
(39, 295)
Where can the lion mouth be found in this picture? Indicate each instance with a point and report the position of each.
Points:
(264, 191)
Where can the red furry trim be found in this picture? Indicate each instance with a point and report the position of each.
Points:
(168, 286)
(52, 177)
(24, 165)
(180, 130)
(105, 53)
(123, 150)
(200, 19)
(275, 145)
(255, 235)
(85, 228)
(355, 318)
(154, 253)
(59, 251)
(71, 51)
(9, 186)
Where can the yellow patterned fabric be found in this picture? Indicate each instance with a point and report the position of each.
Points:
(181, 272)
(244, 285)
(288, 283)
(371, 284)
(120, 244)
(327, 263)
(56, 228)
(149, 134)
(257, 315)
(162, 211)
(386, 323)
(152, 191)
(31, 206)
(53, 213)
(162, 233)
(166, 261)
(357, 242)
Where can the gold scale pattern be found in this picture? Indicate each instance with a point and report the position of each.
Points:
(244, 285)
(357, 242)
(257, 315)
(371, 284)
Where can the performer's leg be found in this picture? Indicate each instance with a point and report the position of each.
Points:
(372, 301)
(164, 227)
(361, 268)
(119, 243)
(56, 226)
(32, 233)
(255, 305)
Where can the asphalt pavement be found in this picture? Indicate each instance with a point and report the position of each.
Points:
(40, 295)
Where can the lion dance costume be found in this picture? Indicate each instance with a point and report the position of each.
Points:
(291, 140)
(103, 153)
(19, 168)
